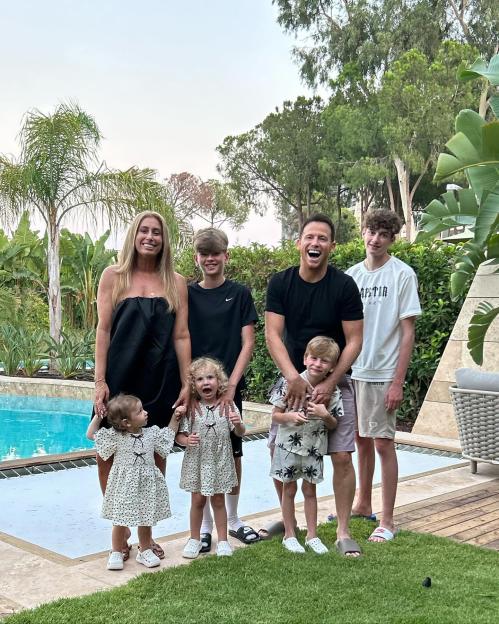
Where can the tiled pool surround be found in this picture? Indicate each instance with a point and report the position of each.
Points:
(49, 509)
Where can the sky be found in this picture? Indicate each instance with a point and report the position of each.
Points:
(165, 80)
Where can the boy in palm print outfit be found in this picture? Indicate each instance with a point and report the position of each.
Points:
(301, 442)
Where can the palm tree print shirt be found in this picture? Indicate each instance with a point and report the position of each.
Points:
(310, 438)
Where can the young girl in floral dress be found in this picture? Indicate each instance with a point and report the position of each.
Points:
(208, 468)
(136, 492)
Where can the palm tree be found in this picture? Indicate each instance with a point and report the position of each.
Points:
(58, 174)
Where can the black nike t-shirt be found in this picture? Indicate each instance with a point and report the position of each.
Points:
(216, 318)
(313, 309)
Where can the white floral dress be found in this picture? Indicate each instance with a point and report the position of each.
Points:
(136, 492)
(209, 467)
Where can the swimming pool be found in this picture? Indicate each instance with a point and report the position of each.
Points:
(34, 426)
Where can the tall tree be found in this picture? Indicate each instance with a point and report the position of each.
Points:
(58, 176)
(365, 36)
(418, 100)
(278, 159)
(211, 201)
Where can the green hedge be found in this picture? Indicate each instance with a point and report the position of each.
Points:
(432, 262)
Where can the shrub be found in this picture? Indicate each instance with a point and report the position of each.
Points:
(254, 265)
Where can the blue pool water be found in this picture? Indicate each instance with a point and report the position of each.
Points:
(34, 426)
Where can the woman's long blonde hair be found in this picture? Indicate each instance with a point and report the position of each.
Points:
(164, 266)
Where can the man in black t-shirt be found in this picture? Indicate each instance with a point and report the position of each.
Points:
(222, 319)
(316, 299)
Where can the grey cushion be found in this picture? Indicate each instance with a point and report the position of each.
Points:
(471, 379)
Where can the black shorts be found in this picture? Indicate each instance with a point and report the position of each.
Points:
(235, 440)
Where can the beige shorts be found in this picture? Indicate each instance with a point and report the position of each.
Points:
(373, 419)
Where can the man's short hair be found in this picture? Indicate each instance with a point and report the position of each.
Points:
(323, 347)
(383, 220)
(319, 217)
(210, 240)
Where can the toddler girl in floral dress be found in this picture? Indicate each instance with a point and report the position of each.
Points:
(136, 492)
(208, 468)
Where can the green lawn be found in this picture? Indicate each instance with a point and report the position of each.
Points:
(265, 584)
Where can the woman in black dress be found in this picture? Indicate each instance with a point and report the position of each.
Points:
(142, 344)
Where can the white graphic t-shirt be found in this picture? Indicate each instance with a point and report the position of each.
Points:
(389, 294)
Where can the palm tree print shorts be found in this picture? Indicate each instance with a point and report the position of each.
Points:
(287, 466)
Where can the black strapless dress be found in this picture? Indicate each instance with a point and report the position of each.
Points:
(141, 359)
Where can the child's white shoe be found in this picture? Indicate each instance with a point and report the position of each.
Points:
(115, 561)
(293, 545)
(148, 558)
(192, 548)
(224, 549)
(317, 546)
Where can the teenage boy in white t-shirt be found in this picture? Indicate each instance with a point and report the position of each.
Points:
(389, 292)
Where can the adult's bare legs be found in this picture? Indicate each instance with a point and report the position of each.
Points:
(344, 491)
(310, 507)
(103, 470)
(389, 478)
(366, 459)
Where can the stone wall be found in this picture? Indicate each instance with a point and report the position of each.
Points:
(436, 417)
(256, 416)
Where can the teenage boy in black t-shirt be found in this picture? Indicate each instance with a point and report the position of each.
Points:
(222, 319)
(302, 303)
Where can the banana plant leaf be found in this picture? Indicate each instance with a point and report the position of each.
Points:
(466, 265)
(480, 69)
(460, 208)
(479, 324)
(494, 104)
(475, 145)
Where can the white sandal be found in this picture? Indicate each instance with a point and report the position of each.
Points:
(192, 548)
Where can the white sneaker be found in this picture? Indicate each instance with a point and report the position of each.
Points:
(224, 549)
(293, 545)
(316, 545)
(115, 561)
(192, 548)
(148, 558)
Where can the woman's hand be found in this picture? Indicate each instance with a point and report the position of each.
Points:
(183, 398)
(226, 401)
(101, 398)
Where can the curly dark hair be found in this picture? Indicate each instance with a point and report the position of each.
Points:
(383, 220)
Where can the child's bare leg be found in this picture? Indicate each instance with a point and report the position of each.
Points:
(310, 506)
(117, 538)
(220, 515)
(277, 483)
(198, 502)
(288, 508)
(145, 537)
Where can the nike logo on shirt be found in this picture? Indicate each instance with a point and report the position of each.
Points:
(229, 298)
